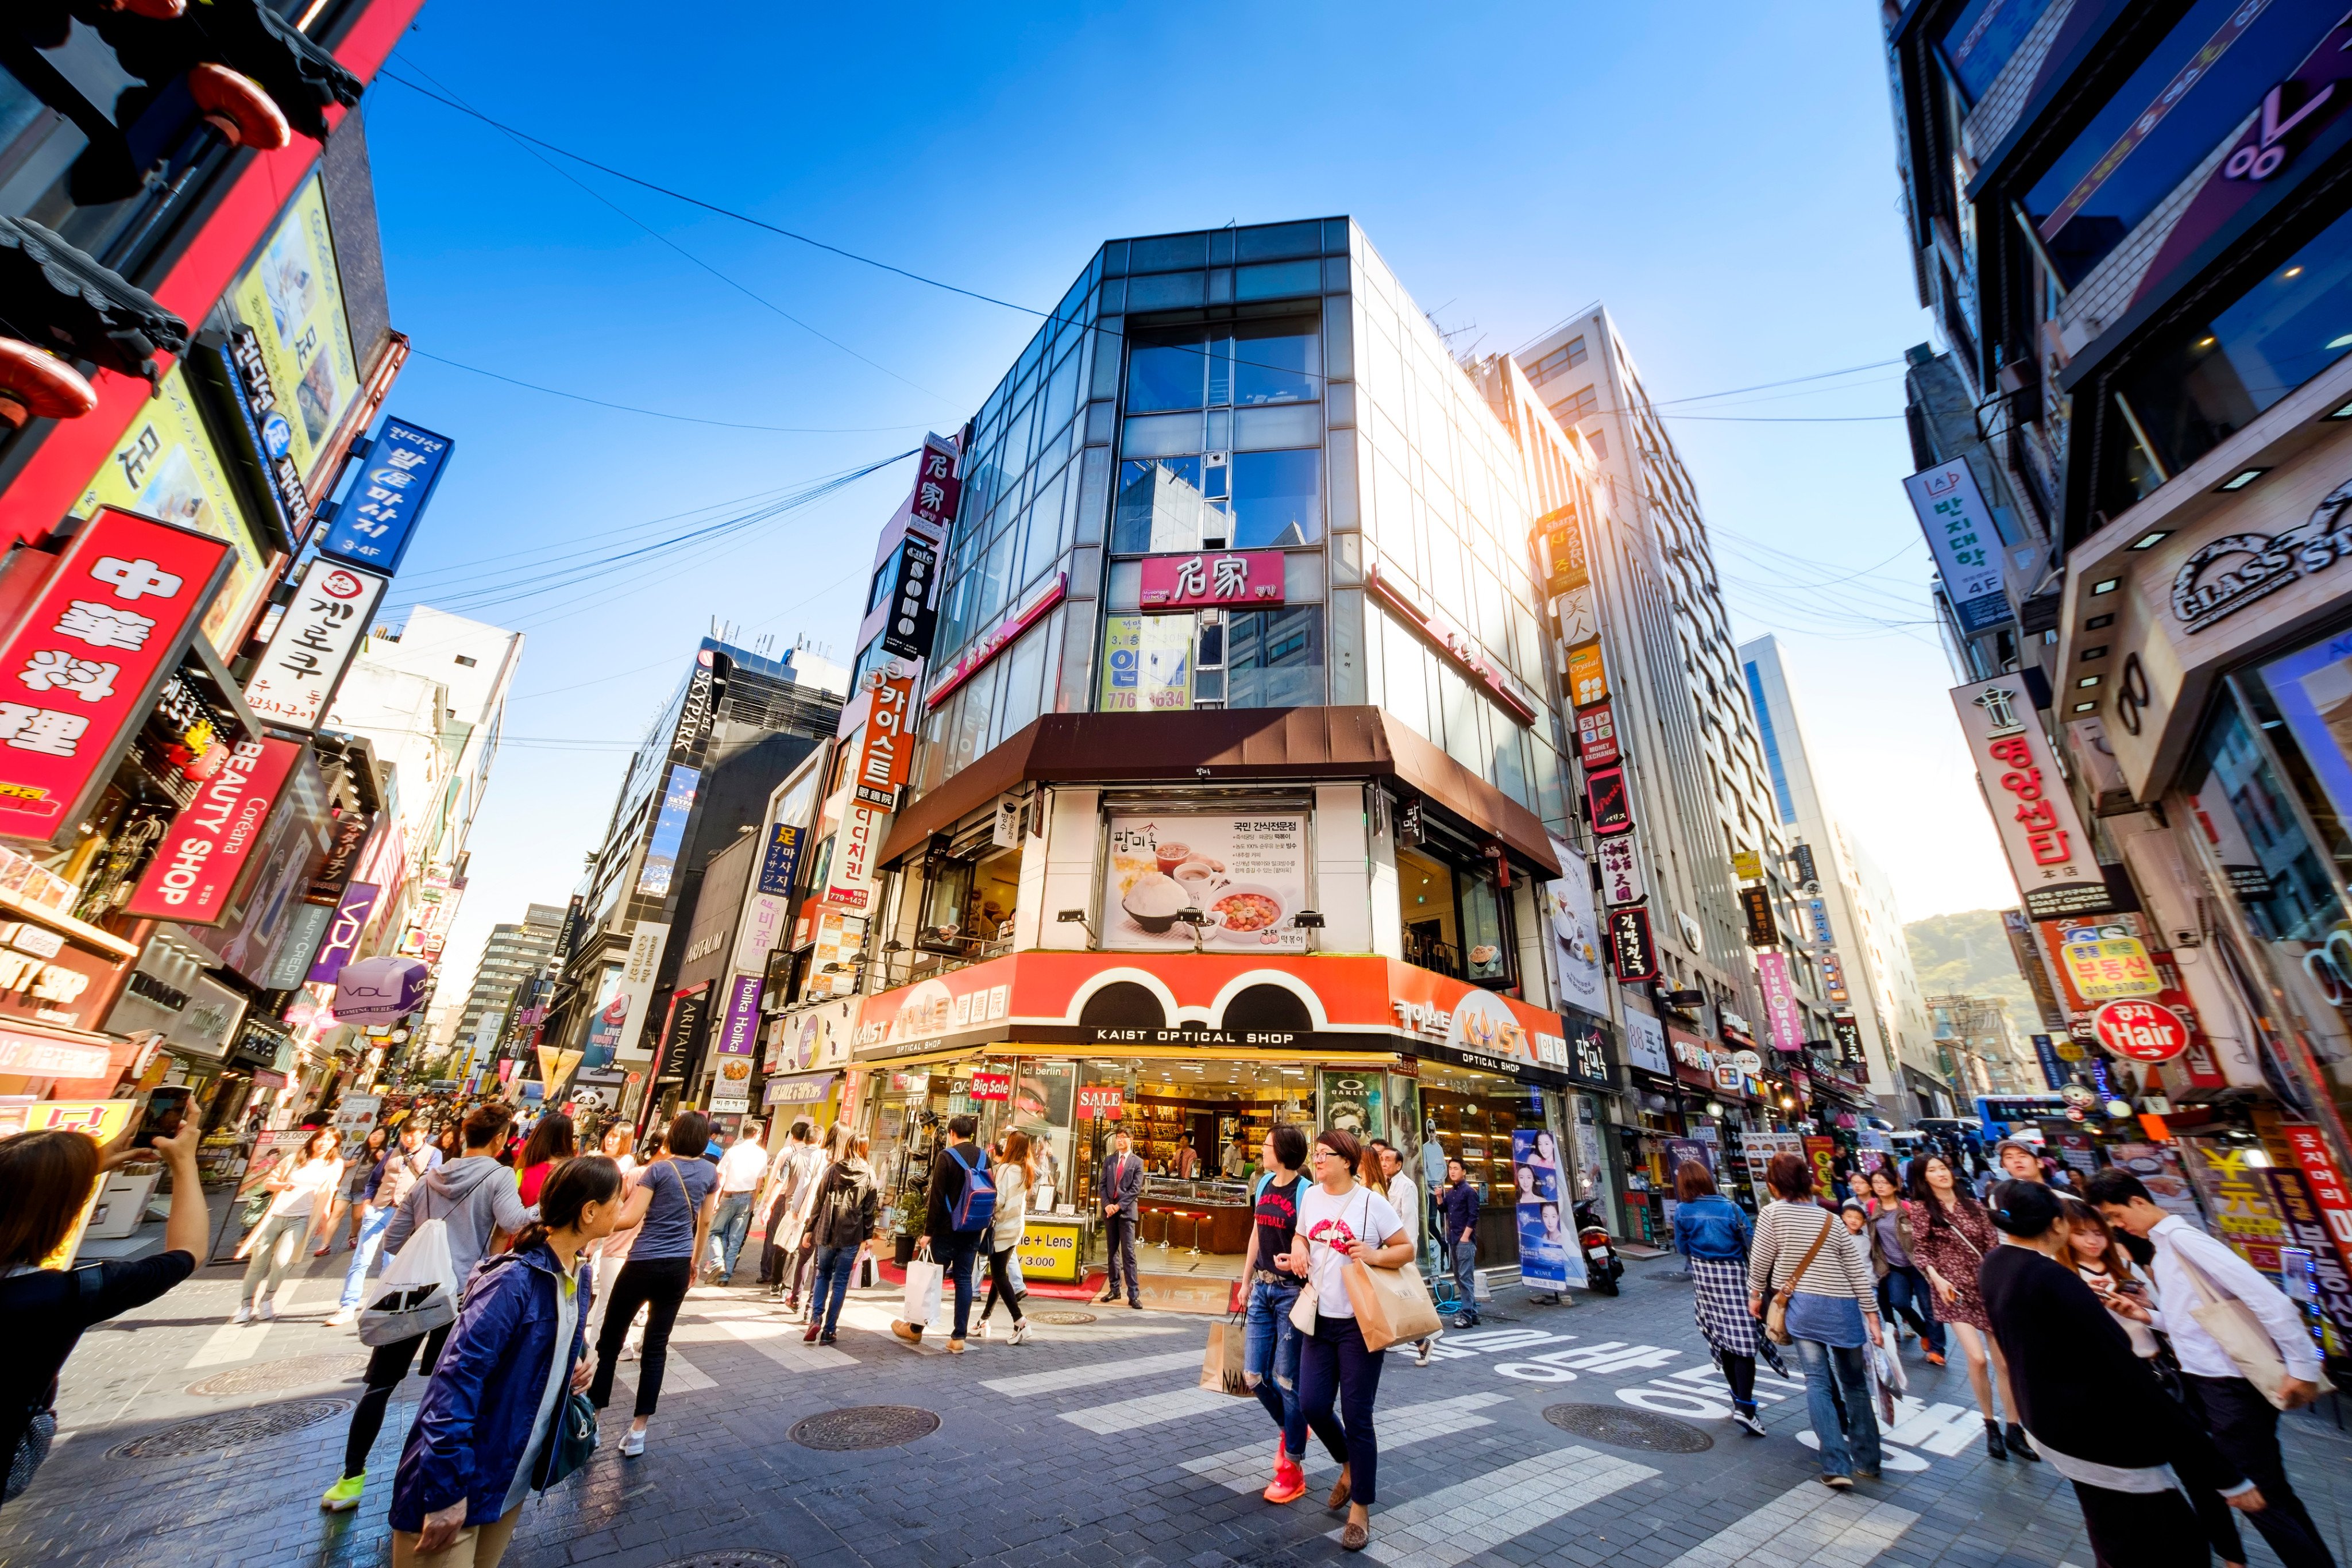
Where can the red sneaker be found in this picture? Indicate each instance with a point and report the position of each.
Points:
(1289, 1481)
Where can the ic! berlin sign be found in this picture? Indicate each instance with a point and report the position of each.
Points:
(1215, 578)
(2224, 575)
(79, 672)
(313, 645)
(2143, 1031)
(2048, 851)
(195, 870)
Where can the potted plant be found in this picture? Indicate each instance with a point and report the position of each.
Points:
(906, 1218)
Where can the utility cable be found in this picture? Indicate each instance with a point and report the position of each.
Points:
(657, 414)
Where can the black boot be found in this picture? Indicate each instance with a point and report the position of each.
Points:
(1992, 1440)
(2019, 1445)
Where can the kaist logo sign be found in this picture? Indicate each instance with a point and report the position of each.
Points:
(195, 873)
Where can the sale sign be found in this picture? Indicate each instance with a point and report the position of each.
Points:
(195, 873)
(990, 1083)
(2142, 1031)
(1100, 1102)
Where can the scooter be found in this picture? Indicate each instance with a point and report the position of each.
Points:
(1601, 1265)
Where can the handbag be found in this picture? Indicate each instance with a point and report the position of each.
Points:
(922, 1298)
(2241, 1335)
(572, 1440)
(1221, 1368)
(1393, 1305)
(1775, 1313)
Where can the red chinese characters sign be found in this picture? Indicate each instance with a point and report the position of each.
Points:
(885, 758)
(1229, 577)
(2049, 853)
(1596, 736)
(82, 666)
(194, 874)
(936, 488)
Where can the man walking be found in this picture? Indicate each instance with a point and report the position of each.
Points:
(2192, 1268)
(1122, 1185)
(739, 1170)
(399, 1173)
(1404, 1197)
(778, 1197)
(1458, 1212)
(959, 1164)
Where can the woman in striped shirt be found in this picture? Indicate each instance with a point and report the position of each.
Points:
(1804, 1255)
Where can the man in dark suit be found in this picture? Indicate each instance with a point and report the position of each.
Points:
(1121, 1184)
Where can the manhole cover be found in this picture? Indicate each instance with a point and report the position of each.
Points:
(1629, 1428)
(731, 1560)
(865, 1427)
(234, 1430)
(276, 1376)
(1067, 1319)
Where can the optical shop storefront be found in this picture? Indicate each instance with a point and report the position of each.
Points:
(1197, 1057)
(2216, 742)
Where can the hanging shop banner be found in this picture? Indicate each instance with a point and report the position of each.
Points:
(1147, 664)
(2049, 853)
(1756, 904)
(669, 831)
(344, 931)
(760, 932)
(240, 368)
(2104, 960)
(1645, 1044)
(1596, 736)
(1832, 977)
(2141, 1031)
(2326, 1279)
(1822, 1151)
(1609, 804)
(913, 599)
(1621, 870)
(2324, 1183)
(1588, 680)
(1781, 1014)
(682, 1032)
(1214, 579)
(2053, 1070)
(1545, 1252)
(81, 671)
(2237, 1201)
(377, 519)
(196, 868)
(1631, 951)
(1573, 614)
(1243, 877)
(1575, 931)
(885, 758)
(293, 302)
(316, 637)
(635, 991)
(1566, 569)
(1959, 529)
(699, 707)
(380, 990)
(1747, 865)
(1847, 1034)
(738, 1032)
(166, 467)
(833, 965)
(781, 863)
(936, 488)
(1041, 600)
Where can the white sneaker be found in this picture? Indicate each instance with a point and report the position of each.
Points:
(244, 1313)
(264, 1312)
(632, 1444)
(629, 1351)
(340, 1316)
(1421, 1353)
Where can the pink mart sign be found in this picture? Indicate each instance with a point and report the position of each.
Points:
(1785, 1019)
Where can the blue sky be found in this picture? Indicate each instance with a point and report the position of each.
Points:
(1722, 176)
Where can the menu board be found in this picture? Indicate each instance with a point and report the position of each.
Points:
(1243, 877)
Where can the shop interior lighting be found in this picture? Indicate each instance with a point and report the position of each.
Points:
(2156, 536)
(2087, 680)
(2086, 707)
(2109, 587)
(2239, 480)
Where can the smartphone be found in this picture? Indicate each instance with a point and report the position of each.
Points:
(167, 1107)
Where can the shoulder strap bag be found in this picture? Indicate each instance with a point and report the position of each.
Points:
(1393, 1305)
(2240, 1334)
(1776, 1313)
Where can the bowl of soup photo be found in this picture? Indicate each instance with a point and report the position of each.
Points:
(1247, 912)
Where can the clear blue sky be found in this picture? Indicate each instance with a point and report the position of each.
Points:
(1721, 175)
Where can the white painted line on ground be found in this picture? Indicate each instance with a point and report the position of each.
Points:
(1153, 1409)
(230, 1342)
(1807, 1524)
(679, 1377)
(783, 1344)
(1457, 1522)
(1092, 1373)
(1248, 1469)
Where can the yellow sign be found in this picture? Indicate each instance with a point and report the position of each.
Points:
(2106, 968)
(1147, 664)
(164, 467)
(293, 300)
(1747, 865)
(104, 1119)
(1587, 682)
(1049, 1251)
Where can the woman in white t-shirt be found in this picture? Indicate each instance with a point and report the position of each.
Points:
(1341, 1218)
(302, 1193)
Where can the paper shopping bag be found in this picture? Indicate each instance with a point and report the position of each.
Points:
(922, 1301)
(1391, 1304)
(1221, 1368)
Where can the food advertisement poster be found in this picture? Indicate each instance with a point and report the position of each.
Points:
(1243, 877)
(1545, 1253)
(1575, 929)
(293, 300)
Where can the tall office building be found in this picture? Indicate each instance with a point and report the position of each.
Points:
(514, 955)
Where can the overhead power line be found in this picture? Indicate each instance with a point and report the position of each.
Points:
(657, 414)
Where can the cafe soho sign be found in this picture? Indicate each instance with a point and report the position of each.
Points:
(2224, 575)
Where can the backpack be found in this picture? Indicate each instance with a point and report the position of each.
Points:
(977, 1205)
(844, 1207)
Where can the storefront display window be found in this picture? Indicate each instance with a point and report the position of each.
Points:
(1473, 1116)
(1455, 921)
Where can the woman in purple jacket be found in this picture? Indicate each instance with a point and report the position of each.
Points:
(482, 1435)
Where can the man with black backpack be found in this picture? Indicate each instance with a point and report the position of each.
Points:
(962, 1202)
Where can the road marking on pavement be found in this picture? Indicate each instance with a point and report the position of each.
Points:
(1458, 1522)
(1809, 1523)
(781, 1343)
(230, 1342)
(1247, 1469)
(679, 1377)
(1699, 1392)
(1153, 1409)
(1943, 1429)
(1093, 1372)
(1609, 1356)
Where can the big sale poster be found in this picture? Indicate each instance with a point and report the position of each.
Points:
(1243, 877)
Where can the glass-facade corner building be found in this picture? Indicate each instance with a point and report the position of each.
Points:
(1240, 771)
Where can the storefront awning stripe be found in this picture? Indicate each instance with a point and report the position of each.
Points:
(1118, 1053)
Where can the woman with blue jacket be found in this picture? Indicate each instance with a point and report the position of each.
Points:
(1712, 1232)
(482, 1438)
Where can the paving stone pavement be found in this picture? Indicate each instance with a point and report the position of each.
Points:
(1080, 1448)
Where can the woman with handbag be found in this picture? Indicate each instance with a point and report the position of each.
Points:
(1342, 1223)
(1712, 1232)
(1016, 1173)
(1956, 1239)
(491, 1424)
(1894, 1223)
(1810, 1280)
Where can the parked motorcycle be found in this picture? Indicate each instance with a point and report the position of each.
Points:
(1601, 1264)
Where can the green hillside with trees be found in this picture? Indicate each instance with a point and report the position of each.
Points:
(1969, 953)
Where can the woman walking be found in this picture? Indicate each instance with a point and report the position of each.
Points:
(549, 1145)
(1270, 1350)
(841, 1223)
(298, 1193)
(1895, 1223)
(676, 1193)
(481, 1440)
(1016, 1173)
(360, 1174)
(1339, 1220)
(1805, 1260)
(612, 1250)
(1713, 1234)
(1951, 1246)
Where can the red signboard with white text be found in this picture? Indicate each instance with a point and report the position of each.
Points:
(80, 671)
(192, 879)
(886, 757)
(1211, 579)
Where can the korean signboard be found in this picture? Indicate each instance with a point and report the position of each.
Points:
(1631, 951)
(1833, 985)
(1610, 805)
(636, 990)
(293, 302)
(886, 757)
(1575, 932)
(760, 932)
(313, 645)
(1596, 736)
(781, 863)
(1781, 1014)
(376, 521)
(1587, 682)
(270, 434)
(1621, 870)
(2104, 960)
(913, 599)
(1756, 904)
(1566, 567)
(96, 640)
(1243, 877)
(2142, 1031)
(1234, 578)
(1147, 664)
(2049, 853)
(1959, 529)
(1847, 1034)
(936, 488)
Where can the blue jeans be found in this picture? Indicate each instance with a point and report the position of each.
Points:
(1270, 1358)
(1904, 1291)
(830, 1284)
(731, 1225)
(1854, 1445)
(1338, 1382)
(371, 1229)
(954, 1252)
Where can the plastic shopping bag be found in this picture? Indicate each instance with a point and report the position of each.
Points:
(923, 1278)
(418, 1292)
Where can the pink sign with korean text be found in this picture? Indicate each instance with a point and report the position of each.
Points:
(1212, 578)
(1780, 1010)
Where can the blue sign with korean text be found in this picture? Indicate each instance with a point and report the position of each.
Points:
(377, 519)
(2052, 1070)
(782, 859)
